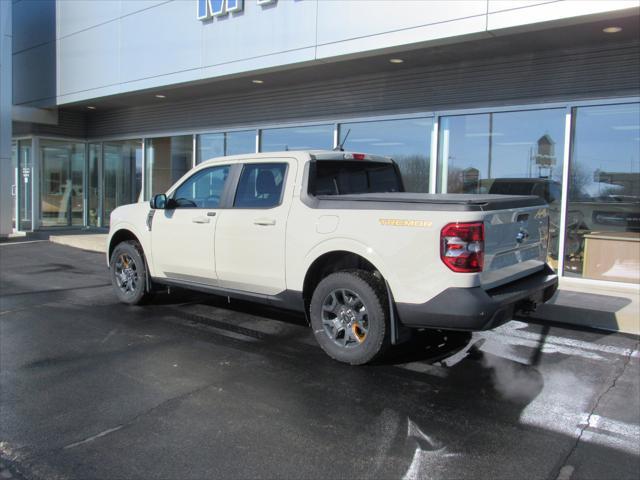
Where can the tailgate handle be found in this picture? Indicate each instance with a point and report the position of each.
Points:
(523, 217)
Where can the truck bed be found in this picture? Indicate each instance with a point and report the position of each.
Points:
(427, 201)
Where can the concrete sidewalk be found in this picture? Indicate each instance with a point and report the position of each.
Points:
(93, 242)
(612, 308)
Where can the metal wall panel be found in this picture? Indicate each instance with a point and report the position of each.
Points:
(34, 23)
(34, 52)
(384, 16)
(145, 47)
(34, 76)
(83, 66)
(160, 43)
(537, 77)
(71, 124)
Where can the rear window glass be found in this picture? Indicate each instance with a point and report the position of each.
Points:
(344, 177)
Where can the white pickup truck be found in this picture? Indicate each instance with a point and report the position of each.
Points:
(333, 234)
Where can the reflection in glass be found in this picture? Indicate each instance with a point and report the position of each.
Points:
(315, 137)
(122, 164)
(62, 182)
(212, 145)
(603, 209)
(241, 142)
(167, 159)
(407, 141)
(511, 153)
(93, 186)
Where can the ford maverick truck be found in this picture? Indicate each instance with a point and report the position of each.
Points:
(334, 235)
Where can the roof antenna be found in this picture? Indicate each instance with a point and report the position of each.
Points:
(340, 148)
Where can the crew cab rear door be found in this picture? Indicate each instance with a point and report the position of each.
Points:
(182, 237)
(250, 236)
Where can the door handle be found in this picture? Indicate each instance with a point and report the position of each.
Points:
(201, 220)
(264, 221)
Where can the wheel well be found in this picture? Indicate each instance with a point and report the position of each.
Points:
(119, 237)
(330, 263)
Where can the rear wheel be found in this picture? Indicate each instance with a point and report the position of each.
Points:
(349, 313)
(129, 273)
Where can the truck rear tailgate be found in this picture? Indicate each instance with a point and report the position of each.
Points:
(515, 244)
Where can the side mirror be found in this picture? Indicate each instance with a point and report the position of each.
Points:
(158, 201)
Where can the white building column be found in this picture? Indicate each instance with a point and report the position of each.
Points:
(6, 101)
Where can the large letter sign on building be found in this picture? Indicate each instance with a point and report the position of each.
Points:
(217, 8)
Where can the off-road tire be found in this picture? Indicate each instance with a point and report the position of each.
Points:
(138, 295)
(373, 294)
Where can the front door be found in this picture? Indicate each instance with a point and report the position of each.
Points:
(182, 237)
(250, 236)
(62, 179)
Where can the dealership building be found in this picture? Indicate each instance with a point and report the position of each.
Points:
(105, 103)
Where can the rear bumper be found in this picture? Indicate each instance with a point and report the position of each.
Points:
(479, 309)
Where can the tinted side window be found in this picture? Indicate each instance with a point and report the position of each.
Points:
(260, 185)
(203, 189)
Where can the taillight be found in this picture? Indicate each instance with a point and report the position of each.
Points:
(462, 246)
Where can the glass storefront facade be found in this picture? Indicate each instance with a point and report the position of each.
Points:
(408, 141)
(603, 208)
(212, 145)
(314, 137)
(517, 153)
(582, 158)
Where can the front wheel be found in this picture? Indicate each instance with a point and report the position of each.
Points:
(129, 273)
(349, 313)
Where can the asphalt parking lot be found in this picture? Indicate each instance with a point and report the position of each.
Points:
(190, 387)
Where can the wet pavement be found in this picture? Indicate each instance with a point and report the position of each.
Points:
(191, 387)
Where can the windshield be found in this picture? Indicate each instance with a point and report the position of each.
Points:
(342, 177)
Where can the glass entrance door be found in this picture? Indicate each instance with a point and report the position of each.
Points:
(24, 186)
(122, 161)
(94, 189)
(14, 183)
(62, 176)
